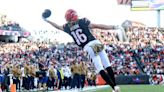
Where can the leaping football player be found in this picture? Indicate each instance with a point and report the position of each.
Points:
(80, 30)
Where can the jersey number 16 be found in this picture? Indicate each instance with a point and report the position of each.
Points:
(79, 36)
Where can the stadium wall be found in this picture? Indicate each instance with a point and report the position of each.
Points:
(135, 79)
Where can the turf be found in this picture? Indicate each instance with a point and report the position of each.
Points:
(133, 88)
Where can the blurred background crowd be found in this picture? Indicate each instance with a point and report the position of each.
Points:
(7, 24)
(132, 50)
(127, 58)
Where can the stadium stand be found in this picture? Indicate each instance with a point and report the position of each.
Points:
(11, 31)
(28, 64)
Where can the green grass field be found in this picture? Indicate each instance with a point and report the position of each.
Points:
(133, 88)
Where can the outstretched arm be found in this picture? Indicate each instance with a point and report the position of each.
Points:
(102, 26)
(55, 25)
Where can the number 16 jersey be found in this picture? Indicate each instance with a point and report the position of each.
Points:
(80, 32)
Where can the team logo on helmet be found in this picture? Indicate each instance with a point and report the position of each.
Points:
(71, 15)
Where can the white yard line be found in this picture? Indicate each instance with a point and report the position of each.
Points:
(86, 89)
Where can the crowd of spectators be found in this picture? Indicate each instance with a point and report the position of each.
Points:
(145, 44)
(6, 24)
(121, 57)
(39, 57)
(152, 59)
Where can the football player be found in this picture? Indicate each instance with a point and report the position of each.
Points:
(80, 31)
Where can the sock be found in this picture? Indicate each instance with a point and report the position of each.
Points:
(106, 78)
(111, 74)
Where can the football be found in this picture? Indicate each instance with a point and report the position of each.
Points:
(46, 13)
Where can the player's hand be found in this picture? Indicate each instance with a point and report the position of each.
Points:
(44, 19)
